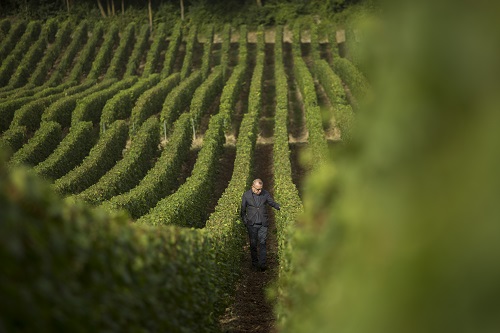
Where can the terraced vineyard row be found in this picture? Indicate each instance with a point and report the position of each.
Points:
(164, 127)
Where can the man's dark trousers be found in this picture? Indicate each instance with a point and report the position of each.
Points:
(257, 234)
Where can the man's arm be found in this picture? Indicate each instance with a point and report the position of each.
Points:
(271, 202)
(243, 208)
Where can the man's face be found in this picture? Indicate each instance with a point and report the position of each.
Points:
(257, 188)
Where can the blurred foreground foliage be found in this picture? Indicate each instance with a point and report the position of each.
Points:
(401, 231)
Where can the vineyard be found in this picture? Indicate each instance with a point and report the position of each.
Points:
(163, 129)
(125, 150)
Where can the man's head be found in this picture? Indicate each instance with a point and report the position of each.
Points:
(257, 186)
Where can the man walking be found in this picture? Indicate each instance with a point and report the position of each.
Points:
(254, 216)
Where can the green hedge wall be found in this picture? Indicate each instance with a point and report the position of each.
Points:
(354, 79)
(106, 51)
(122, 52)
(10, 41)
(153, 56)
(172, 50)
(151, 101)
(102, 157)
(140, 48)
(127, 173)
(179, 98)
(344, 115)
(63, 38)
(162, 178)
(62, 109)
(225, 48)
(90, 107)
(10, 63)
(66, 267)
(191, 42)
(13, 138)
(70, 152)
(39, 146)
(33, 56)
(207, 52)
(120, 105)
(78, 41)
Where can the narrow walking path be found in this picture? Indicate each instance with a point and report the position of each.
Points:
(251, 311)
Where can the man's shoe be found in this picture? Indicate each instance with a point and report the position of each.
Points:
(255, 268)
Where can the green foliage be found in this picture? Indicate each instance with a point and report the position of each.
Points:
(119, 60)
(179, 98)
(62, 39)
(12, 61)
(153, 56)
(35, 53)
(9, 42)
(8, 108)
(224, 52)
(162, 178)
(173, 48)
(344, 116)
(102, 157)
(354, 79)
(105, 53)
(205, 94)
(120, 105)
(140, 48)
(13, 138)
(78, 40)
(89, 108)
(242, 51)
(127, 173)
(207, 52)
(30, 114)
(192, 40)
(105, 273)
(151, 101)
(62, 109)
(39, 146)
(69, 153)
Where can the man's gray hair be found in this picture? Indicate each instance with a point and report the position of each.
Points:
(258, 181)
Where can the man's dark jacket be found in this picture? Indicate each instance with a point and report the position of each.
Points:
(254, 211)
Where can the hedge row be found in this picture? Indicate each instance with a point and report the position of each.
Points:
(12, 61)
(151, 101)
(179, 98)
(344, 116)
(205, 94)
(314, 49)
(105, 54)
(285, 191)
(29, 115)
(140, 48)
(5, 26)
(69, 153)
(225, 48)
(122, 53)
(127, 173)
(89, 108)
(102, 157)
(162, 178)
(242, 50)
(78, 41)
(191, 42)
(153, 56)
(13, 138)
(207, 52)
(106, 274)
(62, 109)
(172, 50)
(39, 146)
(187, 206)
(33, 56)
(120, 105)
(63, 38)
(354, 79)
(224, 226)
(316, 139)
(8, 108)
(10, 41)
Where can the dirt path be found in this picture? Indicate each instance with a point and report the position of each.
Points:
(251, 311)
